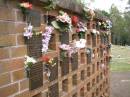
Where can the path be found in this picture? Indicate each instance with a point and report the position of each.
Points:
(120, 84)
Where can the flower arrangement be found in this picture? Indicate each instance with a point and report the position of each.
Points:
(67, 50)
(48, 61)
(29, 61)
(105, 25)
(75, 20)
(80, 44)
(29, 32)
(94, 31)
(63, 22)
(46, 38)
(25, 6)
(81, 29)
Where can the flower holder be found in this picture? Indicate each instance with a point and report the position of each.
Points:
(64, 62)
(35, 75)
(53, 70)
(74, 61)
(34, 46)
(64, 37)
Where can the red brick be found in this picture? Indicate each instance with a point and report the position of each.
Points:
(18, 51)
(7, 14)
(18, 75)
(20, 39)
(8, 90)
(7, 40)
(23, 94)
(24, 84)
(19, 15)
(12, 64)
(4, 53)
(19, 27)
(10, 27)
(5, 79)
(6, 27)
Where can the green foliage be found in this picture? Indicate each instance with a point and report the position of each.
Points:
(121, 26)
(50, 5)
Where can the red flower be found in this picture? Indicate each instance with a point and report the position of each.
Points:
(45, 58)
(75, 20)
(26, 5)
(30, 6)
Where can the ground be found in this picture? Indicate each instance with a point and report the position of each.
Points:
(120, 71)
(120, 84)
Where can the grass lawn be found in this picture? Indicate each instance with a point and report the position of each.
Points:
(120, 58)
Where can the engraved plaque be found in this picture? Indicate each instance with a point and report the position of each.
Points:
(34, 46)
(54, 90)
(36, 76)
(74, 61)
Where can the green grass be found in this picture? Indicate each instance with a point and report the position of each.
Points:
(120, 58)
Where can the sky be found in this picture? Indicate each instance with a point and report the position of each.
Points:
(106, 4)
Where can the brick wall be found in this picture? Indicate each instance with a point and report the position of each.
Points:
(13, 81)
(12, 51)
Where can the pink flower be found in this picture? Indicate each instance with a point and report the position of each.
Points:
(26, 5)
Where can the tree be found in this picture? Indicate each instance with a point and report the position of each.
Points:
(118, 29)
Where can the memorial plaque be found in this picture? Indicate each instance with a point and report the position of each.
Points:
(36, 76)
(74, 61)
(54, 70)
(34, 46)
(64, 37)
(54, 90)
(34, 17)
(65, 66)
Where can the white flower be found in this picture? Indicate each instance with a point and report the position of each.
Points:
(81, 43)
(94, 31)
(29, 59)
(98, 32)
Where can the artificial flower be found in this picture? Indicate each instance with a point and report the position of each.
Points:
(45, 58)
(26, 5)
(75, 20)
(65, 47)
(29, 61)
(81, 43)
(94, 31)
(62, 22)
(48, 61)
(46, 38)
(81, 29)
(28, 31)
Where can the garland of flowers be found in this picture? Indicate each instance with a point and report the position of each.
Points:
(46, 38)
